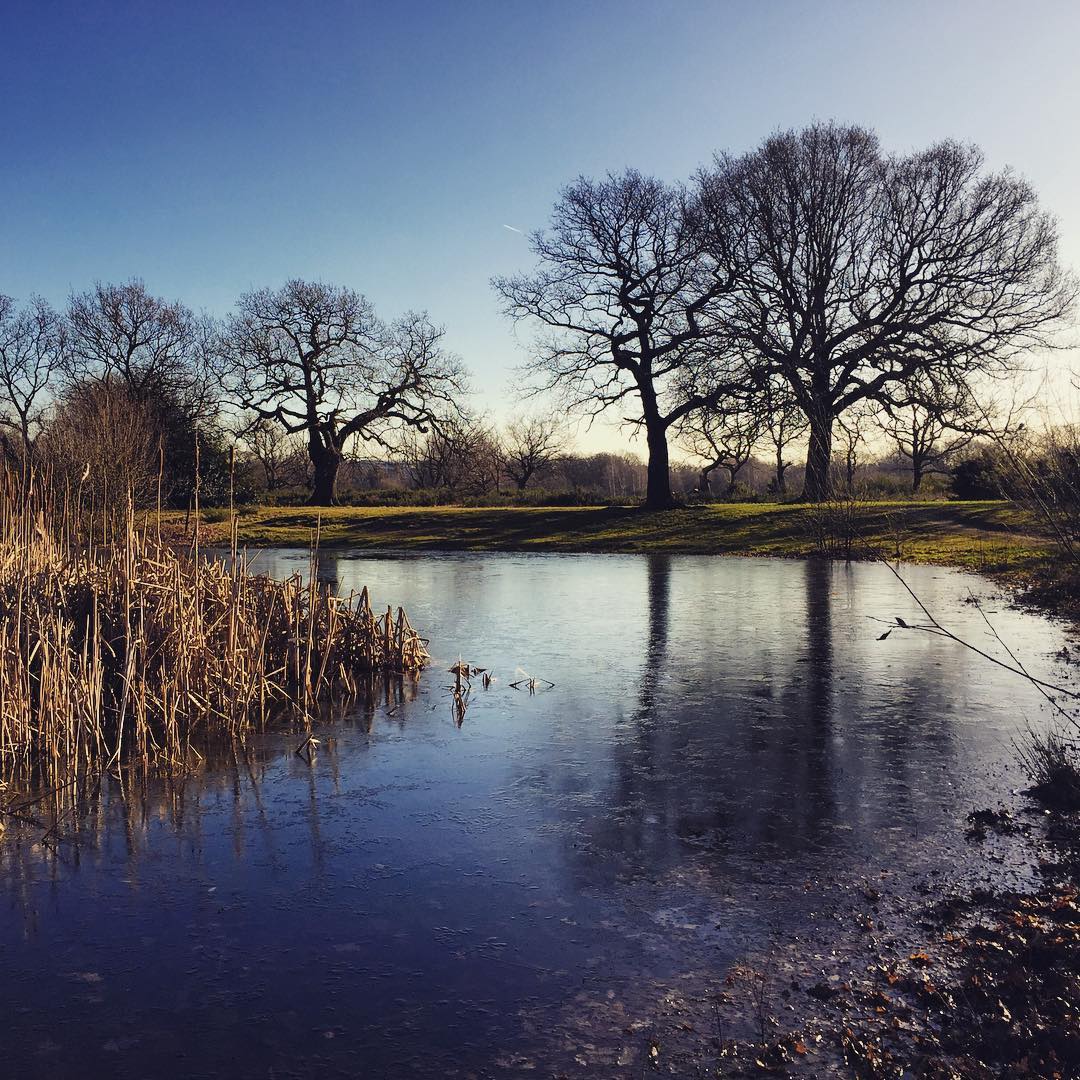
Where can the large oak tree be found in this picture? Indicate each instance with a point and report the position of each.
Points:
(315, 359)
(620, 298)
(859, 271)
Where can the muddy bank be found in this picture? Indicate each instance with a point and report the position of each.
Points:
(943, 980)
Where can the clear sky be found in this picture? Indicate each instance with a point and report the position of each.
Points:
(211, 148)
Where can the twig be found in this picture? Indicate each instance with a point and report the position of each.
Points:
(936, 628)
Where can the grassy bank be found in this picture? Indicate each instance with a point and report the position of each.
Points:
(990, 536)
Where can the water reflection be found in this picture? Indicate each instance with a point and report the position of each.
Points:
(131, 807)
(807, 763)
(328, 570)
(721, 731)
(658, 605)
(809, 744)
(819, 642)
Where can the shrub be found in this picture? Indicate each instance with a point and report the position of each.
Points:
(741, 493)
(1052, 761)
(976, 477)
(834, 526)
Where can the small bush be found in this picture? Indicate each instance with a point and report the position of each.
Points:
(741, 493)
(834, 526)
(1052, 761)
(976, 477)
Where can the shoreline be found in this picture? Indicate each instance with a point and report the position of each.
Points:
(992, 538)
(978, 535)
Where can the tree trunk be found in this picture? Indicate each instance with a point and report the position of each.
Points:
(817, 485)
(705, 484)
(916, 474)
(781, 469)
(658, 493)
(325, 463)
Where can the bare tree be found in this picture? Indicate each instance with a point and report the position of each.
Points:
(432, 459)
(930, 426)
(851, 428)
(459, 457)
(783, 422)
(724, 438)
(281, 456)
(315, 359)
(32, 344)
(159, 351)
(159, 354)
(621, 296)
(611, 476)
(531, 444)
(484, 459)
(861, 270)
(101, 444)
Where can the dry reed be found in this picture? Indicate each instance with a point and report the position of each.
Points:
(133, 650)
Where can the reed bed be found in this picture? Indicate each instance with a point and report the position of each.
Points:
(134, 650)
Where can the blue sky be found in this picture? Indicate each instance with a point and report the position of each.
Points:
(211, 148)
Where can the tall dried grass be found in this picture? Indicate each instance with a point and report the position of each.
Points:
(133, 650)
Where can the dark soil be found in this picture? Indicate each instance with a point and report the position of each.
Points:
(990, 988)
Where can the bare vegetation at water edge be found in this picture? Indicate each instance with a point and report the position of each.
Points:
(126, 648)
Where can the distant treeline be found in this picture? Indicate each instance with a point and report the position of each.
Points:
(798, 304)
(617, 479)
(126, 392)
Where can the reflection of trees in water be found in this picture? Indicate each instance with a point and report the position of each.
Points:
(770, 758)
(658, 575)
(64, 823)
(328, 569)
(801, 770)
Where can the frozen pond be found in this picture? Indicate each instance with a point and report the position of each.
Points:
(726, 741)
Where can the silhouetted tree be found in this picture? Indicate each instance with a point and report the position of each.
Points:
(32, 344)
(157, 350)
(157, 354)
(858, 270)
(608, 476)
(724, 437)
(531, 444)
(315, 359)
(782, 423)
(852, 427)
(930, 426)
(621, 293)
(459, 457)
(280, 456)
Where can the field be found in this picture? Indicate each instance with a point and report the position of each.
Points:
(992, 536)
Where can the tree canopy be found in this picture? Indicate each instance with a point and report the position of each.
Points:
(857, 271)
(620, 299)
(316, 359)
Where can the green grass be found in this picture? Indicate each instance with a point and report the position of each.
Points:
(991, 536)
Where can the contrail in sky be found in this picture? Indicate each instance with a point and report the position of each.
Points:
(512, 229)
